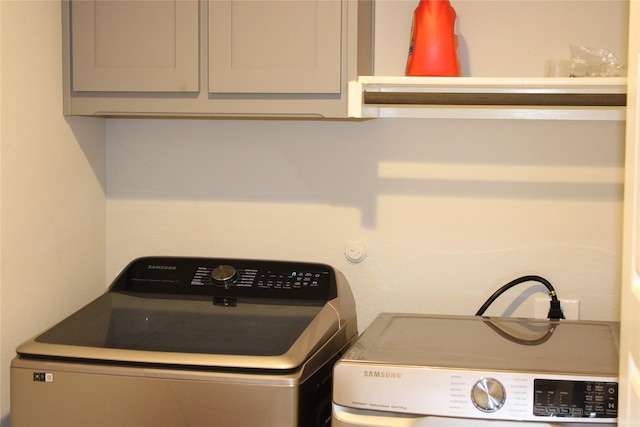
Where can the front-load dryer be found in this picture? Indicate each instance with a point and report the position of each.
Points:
(460, 371)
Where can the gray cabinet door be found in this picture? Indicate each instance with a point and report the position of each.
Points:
(135, 46)
(290, 46)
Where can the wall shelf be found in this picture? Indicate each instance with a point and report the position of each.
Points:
(488, 98)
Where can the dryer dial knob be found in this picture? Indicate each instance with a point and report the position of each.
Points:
(224, 275)
(488, 395)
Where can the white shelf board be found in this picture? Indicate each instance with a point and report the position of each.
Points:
(485, 85)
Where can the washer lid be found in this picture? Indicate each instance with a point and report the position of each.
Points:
(132, 329)
(159, 311)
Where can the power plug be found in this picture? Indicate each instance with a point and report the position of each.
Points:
(570, 308)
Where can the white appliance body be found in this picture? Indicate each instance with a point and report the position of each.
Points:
(416, 370)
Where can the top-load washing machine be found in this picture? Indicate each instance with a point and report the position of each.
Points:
(445, 371)
(192, 342)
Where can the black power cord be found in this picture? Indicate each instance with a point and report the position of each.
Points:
(555, 310)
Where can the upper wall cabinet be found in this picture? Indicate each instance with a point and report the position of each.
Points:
(214, 58)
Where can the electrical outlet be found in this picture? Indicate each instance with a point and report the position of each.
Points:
(570, 308)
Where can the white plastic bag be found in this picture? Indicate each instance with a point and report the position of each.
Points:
(589, 62)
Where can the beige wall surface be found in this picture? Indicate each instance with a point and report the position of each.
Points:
(52, 246)
(448, 210)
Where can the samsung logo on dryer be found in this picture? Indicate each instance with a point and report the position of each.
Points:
(162, 267)
(386, 375)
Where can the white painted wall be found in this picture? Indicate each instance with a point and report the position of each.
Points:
(444, 217)
(52, 170)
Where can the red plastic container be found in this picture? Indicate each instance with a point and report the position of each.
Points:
(434, 42)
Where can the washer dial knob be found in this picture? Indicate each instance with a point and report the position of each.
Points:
(488, 395)
(224, 275)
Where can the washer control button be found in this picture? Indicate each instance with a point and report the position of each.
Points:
(224, 275)
(488, 395)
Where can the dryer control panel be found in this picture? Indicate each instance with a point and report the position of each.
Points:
(475, 394)
(575, 399)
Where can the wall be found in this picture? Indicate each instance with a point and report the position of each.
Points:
(448, 210)
(53, 204)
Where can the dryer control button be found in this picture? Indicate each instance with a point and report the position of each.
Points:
(488, 395)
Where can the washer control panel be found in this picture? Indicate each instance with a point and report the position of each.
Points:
(476, 394)
(227, 280)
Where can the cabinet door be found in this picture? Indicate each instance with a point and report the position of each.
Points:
(134, 45)
(629, 398)
(274, 46)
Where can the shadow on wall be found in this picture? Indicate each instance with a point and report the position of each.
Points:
(353, 163)
(85, 129)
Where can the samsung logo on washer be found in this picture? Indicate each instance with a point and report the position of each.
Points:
(161, 267)
(383, 375)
